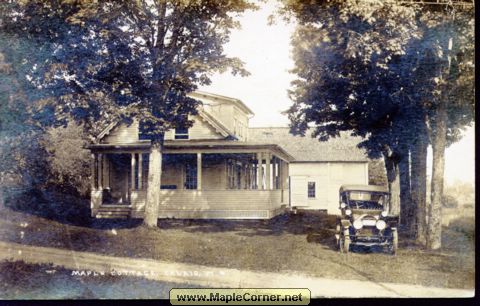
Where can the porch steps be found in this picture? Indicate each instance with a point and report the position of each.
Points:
(113, 212)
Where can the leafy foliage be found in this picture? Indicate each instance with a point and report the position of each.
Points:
(68, 160)
(397, 74)
(95, 62)
(22, 155)
(125, 59)
(348, 63)
(373, 68)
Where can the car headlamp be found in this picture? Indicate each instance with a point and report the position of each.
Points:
(384, 213)
(348, 212)
(357, 224)
(381, 224)
(343, 205)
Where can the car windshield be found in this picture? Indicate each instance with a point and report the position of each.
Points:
(367, 200)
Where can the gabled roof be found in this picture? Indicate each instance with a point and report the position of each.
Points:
(214, 123)
(217, 125)
(236, 102)
(108, 129)
(308, 149)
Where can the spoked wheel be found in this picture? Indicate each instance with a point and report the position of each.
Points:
(394, 243)
(338, 238)
(346, 241)
(346, 244)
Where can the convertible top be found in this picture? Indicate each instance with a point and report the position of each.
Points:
(374, 188)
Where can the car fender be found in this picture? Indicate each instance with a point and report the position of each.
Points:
(346, 223)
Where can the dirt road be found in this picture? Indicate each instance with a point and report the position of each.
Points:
(86, 263)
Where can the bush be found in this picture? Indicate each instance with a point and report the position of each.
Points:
(376, 172)
(68, 160)
(49, 203)
(449, 201)
(465, 225)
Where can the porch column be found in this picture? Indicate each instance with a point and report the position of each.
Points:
(248, 173)
(199, 171)
(109, 180)
(259, 171)
(132, 171)
(267, 168)
(274, 172)
(253, 174)
(287, 175)
(140, 165)
(280, 174)
(105, 171)
(253, 182)
(99, 171)
(93, 179)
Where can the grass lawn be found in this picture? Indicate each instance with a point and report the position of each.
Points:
(19, 280)
(286, 244)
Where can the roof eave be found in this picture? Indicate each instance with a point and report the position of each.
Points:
(187, 145)
(237, 102)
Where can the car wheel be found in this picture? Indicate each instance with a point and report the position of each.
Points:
(394, 246)
(346, 244)
(346, 241)
(338, 236)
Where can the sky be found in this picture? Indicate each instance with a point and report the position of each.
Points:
(265, 49)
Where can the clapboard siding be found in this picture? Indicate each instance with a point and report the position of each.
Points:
(223, 111)
(328, 178)
(200, 130)
(123, 133)
(230, 204)
(212, 199)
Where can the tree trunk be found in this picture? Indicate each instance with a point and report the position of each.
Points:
(406, 209)
(419, 187)
(393, 177)
(154, 183)
(434, 233)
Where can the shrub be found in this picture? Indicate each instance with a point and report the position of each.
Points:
(68, 160)
(449, 201)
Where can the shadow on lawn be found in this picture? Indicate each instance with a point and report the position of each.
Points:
(61, 206)
(317, 226)
(67, 208)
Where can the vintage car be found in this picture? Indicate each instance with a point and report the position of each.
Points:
(365, 218)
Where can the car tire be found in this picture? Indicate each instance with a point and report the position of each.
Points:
(346, 241)
(338, 236)
(346, 244)
(394, 243)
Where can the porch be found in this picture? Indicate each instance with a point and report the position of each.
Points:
(209, 183)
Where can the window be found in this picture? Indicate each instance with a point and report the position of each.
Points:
(181, 133)
(238, 128)
(311, 190)
(190, 176)
(240, 133)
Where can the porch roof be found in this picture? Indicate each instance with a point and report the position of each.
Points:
(192, 146)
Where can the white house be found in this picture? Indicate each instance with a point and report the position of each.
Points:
(318, 168)
(220, 168)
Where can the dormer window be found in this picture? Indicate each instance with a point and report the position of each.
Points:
(181, 133)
